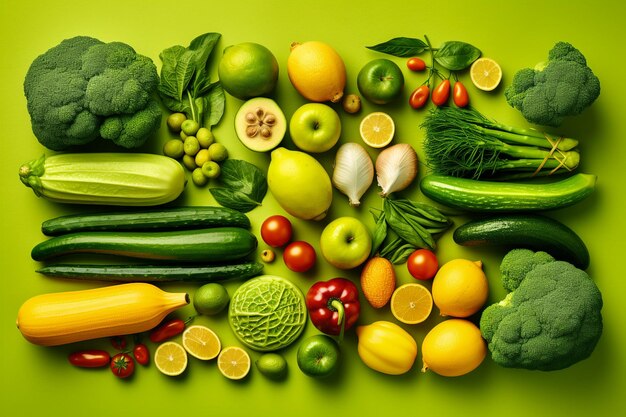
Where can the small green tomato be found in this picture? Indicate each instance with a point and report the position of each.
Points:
(190, 127)
(183, 135)
(211, 169)
(174, 148)
(175, 120)
(198, 177)
(205, 137)
(202, 156)
(218, 152)
(192, 146)
(189, 162)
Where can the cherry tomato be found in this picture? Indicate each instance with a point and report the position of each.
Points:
(459, 95)
(416, 64)
(276, 231)
(90, 358)
(167, 330)
(441, 93)
(122, 365)
(299, 256)
(422, 264)
(419, 97)
(141, 354)
(118, 342)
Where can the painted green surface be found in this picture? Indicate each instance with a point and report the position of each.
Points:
(38, 380)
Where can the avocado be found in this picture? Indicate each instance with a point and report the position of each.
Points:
(260, 124)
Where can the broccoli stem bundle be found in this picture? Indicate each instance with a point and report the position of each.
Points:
(464, 143)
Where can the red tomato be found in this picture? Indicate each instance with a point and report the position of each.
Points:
(141, 354)
(90, 358)
(422, 264)
(441, 93)
(419, 97)
(459, 95)
(276, 231)
(299, 256)
(416, 64)
(118, 342)
(122, 365)
(167, 330)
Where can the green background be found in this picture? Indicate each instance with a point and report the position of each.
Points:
(37, 380)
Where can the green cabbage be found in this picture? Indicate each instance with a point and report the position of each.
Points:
(267, 313)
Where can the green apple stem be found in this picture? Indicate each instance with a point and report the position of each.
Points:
(338, 305)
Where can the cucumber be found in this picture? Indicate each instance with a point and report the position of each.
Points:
(153, 273)
(494, 196)
(140, 220)
(220, 244)
(526, 231)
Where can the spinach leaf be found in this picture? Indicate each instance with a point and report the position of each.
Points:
(243, 186)
(185, 68)
(401, 47)
(380, 233)
(168, 85)
(456, 55)
(216, 98)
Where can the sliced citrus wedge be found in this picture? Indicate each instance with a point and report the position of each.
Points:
(377, 129)
(233, 362)
(411, 303)
(486, 74)
(201, 342)
(170, 358)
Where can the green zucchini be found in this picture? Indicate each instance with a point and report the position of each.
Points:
(157, 219)
(495, 196)
(154, 273)
(220, 244)
(526, 231)
(120, 179)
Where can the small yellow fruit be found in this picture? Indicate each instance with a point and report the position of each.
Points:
(317, 71)
(378, 281)
(460, 288)
(452, 348)
(386, 347)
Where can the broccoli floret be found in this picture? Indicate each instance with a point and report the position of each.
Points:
(551, 321)
(79, 89)
(519, 262)
(563, 86)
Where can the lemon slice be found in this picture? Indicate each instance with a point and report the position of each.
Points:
(411, 303)
(377, 129)
(233, 362)
(486, 74)
(201, 342)
(170, 358)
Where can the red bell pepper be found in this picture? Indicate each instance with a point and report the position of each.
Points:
(333, 305)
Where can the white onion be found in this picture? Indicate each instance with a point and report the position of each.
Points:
(396, 168)
(354, 171)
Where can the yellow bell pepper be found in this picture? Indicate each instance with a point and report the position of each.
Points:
(386, 347)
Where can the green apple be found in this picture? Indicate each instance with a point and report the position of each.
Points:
(380, 81)
(346, 243)
(315, 127)
(318, 356)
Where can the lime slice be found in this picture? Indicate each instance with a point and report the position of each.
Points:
(377, 129)
(486, 74)
(234, 362)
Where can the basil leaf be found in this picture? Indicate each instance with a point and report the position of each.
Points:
(455, 55)
(401, 47)
(401, 254)
(243, 186)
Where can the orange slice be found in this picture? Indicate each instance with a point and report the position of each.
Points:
(411, 303)
(377, 129)
(170, 358)
(486, 74)
(201, 342)
(233, 362)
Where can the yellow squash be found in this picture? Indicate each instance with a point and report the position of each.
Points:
(386, 347)
(67, 317)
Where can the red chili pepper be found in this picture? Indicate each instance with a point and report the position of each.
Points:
(333, 305)
(167, 330)
(441, 93)
(90, 358)
(141, 354)
(419, 97)
(459, 95)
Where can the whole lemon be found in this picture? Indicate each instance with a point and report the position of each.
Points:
(452, 348)
(317, 71)
(248, 70)
(460, 288)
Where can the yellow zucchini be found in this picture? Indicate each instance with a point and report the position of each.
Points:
(127, 179)
(67, 317)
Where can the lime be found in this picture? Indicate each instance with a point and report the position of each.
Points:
(248, 70)
(272, 365)
(210, 298)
